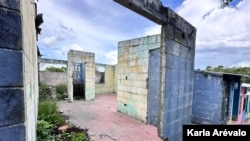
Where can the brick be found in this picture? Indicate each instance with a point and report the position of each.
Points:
(11, 106)
(10, 29)
(11, 70)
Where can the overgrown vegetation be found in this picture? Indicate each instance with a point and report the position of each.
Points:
(61, 91)
(44, 92)
(54, 69)
(49, 120)
(233, 70)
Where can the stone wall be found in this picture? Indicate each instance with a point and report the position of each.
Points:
(19, 71)
(89, 60)
(132, 75)
(109, 82)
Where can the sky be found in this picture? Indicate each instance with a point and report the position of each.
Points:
(223, 34)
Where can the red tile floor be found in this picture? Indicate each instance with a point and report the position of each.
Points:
(104, 123)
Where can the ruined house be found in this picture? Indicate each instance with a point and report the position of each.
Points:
(83, 77)
(216, 98)
(172, 94)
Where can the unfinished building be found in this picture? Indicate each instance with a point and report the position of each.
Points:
(175, 59)
(81, 74)
(83, 77)
(155, 74)
(132, 75)
(217, 98)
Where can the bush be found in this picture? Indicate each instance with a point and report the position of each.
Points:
(61, 89)
(44, 92)
(81, 136)
(54, 69)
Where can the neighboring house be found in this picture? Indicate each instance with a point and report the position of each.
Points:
(216, 97)
(244, 104)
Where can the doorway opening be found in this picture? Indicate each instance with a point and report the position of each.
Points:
(79, 80)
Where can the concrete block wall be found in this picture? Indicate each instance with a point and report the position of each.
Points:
(177, 76)
(89, 60)
(207, 99)
(45, 63)
(18, 71)
(109, 81)
(132, 75)
(53, 78)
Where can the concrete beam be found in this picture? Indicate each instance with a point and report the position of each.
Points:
(151, 9)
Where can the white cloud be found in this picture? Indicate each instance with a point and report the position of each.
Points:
(241, 64)
(153, 30)
(49, 40)
(98, 26)
(112, 57)
(92, 26)
(62, 53)
(216, 27)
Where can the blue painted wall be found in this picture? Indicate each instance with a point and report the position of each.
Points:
(236, 102)
(177, 77)
(207, 98)
(153, 87)
(12, 116)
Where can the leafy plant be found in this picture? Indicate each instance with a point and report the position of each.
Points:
(49, 120)
(81, 136)
(43, 131)
(63, 136)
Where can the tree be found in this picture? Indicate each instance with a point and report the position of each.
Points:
(225, 3)
(208, 68)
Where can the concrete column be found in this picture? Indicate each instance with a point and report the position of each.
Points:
(18, 71)
(177, 76)
(89, 60)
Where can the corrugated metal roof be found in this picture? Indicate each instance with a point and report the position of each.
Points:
(222, 73)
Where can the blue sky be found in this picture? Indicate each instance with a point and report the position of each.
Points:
(223, 36)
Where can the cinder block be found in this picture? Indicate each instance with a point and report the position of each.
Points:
(13, 133)
(154, 45)
(11, 70)
(11, 106)
(10, 29)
